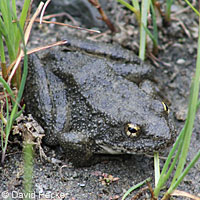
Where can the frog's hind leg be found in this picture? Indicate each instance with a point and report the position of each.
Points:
(46, 99)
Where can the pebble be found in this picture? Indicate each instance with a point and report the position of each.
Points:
(180, 61)
(181, 113)
(81, 184)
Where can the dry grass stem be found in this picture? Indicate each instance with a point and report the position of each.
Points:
(43, 10)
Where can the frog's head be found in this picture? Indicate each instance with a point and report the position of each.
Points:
(147, 128)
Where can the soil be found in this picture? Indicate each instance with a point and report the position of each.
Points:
(175, 66)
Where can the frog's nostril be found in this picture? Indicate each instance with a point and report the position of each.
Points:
(132, 130)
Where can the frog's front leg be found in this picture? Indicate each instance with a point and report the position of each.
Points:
(77, 147)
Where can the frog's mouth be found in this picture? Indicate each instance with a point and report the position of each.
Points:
(110, 150)
(146, 146)
(121, 150)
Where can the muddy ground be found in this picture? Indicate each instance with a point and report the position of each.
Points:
(174, 66)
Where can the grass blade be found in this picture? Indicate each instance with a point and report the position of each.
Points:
(14, 7)
(191, 115)
(157, 167)
(149, 33)
(163, 177)
(168, 10)
(144, 14)
(28, 168)
(133, 9)
(22, 21)
(135, 3)
(155, 30)
(181, 177)
(7, 87)
(193, 8)
(14, 112)
(135, 187)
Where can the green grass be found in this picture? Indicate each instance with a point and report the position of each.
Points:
(181, 147)
(135, 187)
(144, 14)
(141, 14)
(28, 168)
(11, 31)
(168, 11)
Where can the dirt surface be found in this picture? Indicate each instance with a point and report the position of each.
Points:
(175, 67)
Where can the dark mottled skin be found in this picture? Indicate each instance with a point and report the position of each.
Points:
(85, 99)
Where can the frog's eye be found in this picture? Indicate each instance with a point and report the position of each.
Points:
(132, 130)
(166, 108)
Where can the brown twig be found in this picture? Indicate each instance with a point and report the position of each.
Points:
(62, 42)
(151, 191)
(104, 18)
(60, 15)
(71, 26)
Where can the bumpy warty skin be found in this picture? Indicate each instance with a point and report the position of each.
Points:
(85, 102)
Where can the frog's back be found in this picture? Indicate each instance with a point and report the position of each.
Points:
(109, 93)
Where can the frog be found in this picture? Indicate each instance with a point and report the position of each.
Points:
(89, 99)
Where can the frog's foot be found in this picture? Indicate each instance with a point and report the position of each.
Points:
(77, 147)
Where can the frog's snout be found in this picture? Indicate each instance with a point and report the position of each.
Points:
(159, 130)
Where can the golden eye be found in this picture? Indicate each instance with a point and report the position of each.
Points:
(166, 108)
(132, 130)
